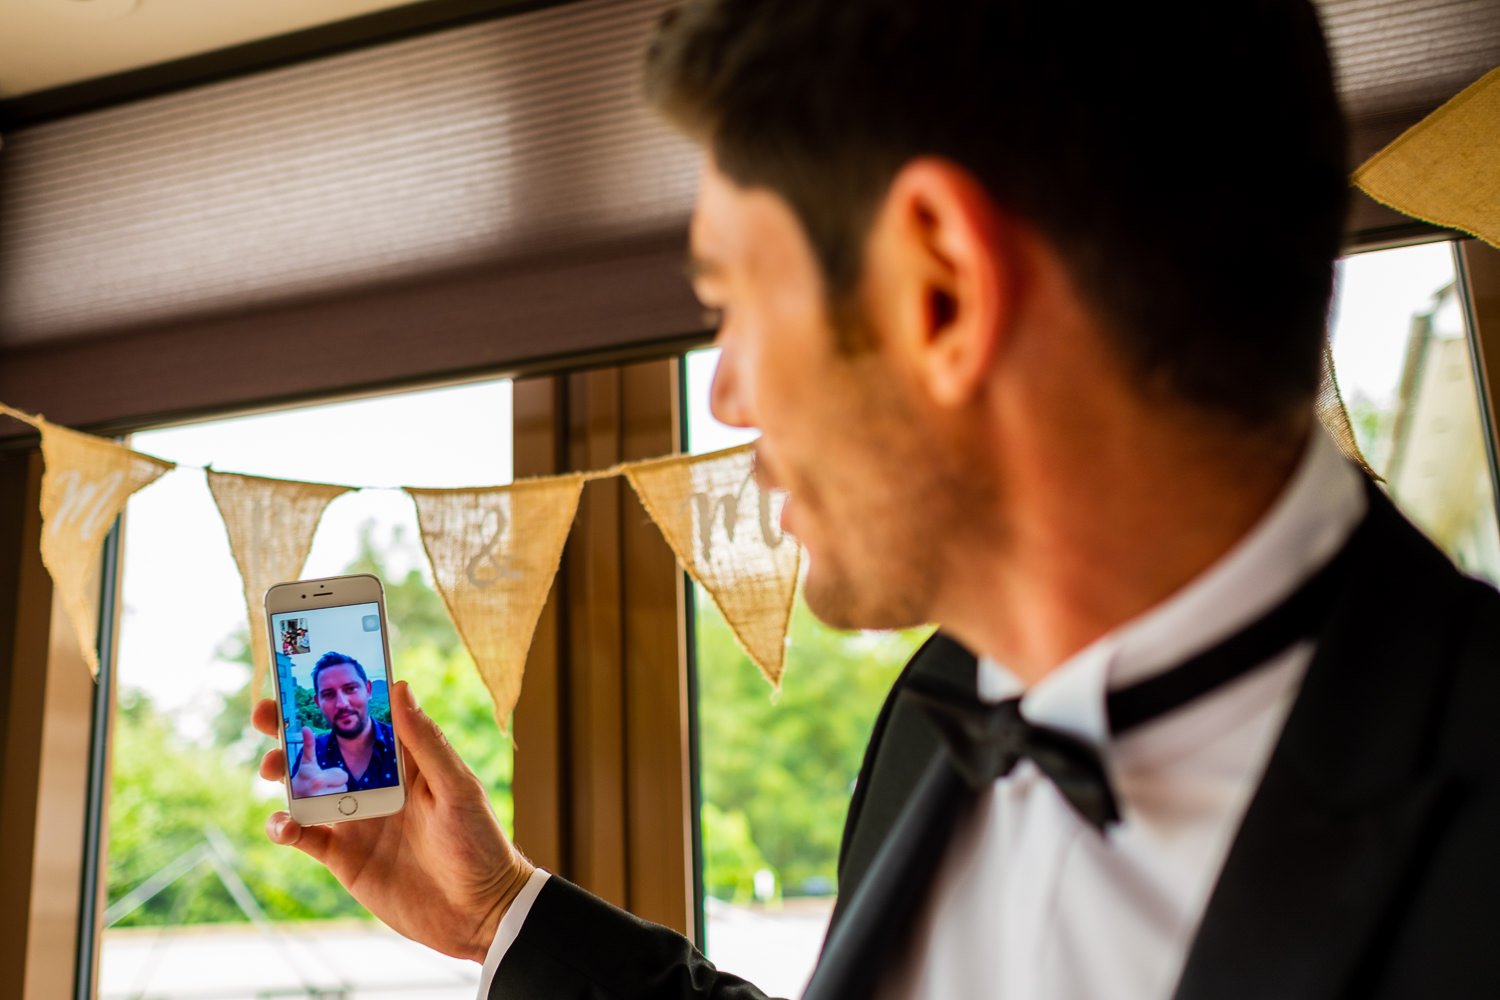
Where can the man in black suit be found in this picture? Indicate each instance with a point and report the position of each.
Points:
(1027, 298)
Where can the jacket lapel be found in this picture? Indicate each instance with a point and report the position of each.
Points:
(877, 923)
(1346, 798)
(902, 745)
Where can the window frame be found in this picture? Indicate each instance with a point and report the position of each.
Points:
(1477, 266)
(601, 726)
(52, 787)
(50, 710)
(58, 731)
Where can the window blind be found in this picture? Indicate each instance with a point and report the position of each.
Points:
(482, 198)
(371, 217)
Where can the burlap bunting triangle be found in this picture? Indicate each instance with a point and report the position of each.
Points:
(270, 523)
(494, 553)
(85, 483)
(1446, 168)
(725, 531)
(1335, 417)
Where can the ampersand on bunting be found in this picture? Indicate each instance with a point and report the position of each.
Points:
(489, 566)
(494, 552)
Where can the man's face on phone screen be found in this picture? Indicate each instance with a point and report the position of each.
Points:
(344, 697)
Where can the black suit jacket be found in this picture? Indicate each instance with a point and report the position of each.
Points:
(1367, 864)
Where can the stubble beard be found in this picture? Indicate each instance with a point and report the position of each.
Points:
(837, 601)
(905, 525)
(357, 731)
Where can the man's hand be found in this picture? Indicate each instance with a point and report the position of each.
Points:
(440, 871)
(311, 779)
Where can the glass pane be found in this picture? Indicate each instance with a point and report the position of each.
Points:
(1402, 354)
(200, 904)
(776, 774)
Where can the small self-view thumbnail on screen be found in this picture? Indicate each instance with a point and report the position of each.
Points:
(335, 700)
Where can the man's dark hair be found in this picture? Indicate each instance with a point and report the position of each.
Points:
(331, 659)
(1187, 159)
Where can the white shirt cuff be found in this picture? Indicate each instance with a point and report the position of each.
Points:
(510, 928)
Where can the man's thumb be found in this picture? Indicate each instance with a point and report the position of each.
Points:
(308, 747)
(428, 747)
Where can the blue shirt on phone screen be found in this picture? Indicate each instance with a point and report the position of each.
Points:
(381, 771)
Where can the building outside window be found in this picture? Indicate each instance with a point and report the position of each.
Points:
(1405, 363)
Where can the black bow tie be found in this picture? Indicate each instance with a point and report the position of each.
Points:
(985, 741)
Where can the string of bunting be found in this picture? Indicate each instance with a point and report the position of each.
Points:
(494, 551)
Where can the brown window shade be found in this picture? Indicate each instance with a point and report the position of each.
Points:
(380, 215)
(485, 197)
(1399, 57)
(1396, 60)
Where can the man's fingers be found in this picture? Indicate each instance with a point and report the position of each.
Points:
(273, 765)
(446, 774)
(413, 771)
(266, 716)
(308, 749)
(310, 840)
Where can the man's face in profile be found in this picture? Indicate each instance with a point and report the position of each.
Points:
(842, 433)
(344, 697)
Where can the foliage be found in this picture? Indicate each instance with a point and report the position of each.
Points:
(169, 787)
(163, 798)
(308, 712)
(1372, 424)
(730, 857)
(310, 715)
(786, 763)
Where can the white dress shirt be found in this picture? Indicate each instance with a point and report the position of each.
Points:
(1030, 903)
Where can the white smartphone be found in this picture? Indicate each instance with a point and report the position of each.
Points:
(333, 683)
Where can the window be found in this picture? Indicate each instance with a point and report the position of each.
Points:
(776, 772)
(199, 903)
(1402, 352)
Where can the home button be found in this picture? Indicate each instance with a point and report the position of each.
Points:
(348, 805)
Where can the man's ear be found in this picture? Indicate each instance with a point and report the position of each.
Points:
(940, 276)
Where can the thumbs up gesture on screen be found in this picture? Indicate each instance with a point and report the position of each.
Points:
(311, 779)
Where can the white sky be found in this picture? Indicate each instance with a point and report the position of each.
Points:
(1377, 293)
(704, 432)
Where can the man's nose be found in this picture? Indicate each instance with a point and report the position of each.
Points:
(726, 396)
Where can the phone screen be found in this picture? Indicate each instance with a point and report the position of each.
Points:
(335, 700)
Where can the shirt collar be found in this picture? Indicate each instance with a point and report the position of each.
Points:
(1303, 529)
